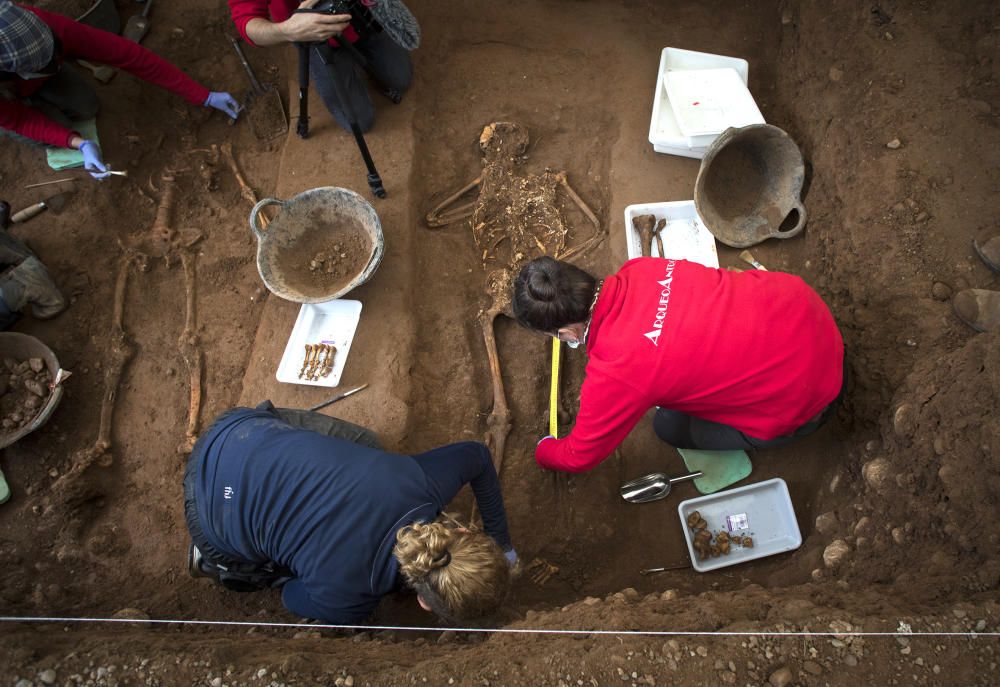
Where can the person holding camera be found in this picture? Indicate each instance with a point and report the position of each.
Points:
(304, 502)
(382, 32)
(41, 96)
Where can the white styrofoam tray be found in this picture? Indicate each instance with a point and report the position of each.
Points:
(684, 236)
(762, 511)
(709, 101)
(333, 322)
(664, 132)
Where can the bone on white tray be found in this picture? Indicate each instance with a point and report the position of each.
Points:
(334, 323)
(684, 236)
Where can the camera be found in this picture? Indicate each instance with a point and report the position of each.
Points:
(361, 17)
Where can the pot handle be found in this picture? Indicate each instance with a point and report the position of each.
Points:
(801, 209)
(255, 216)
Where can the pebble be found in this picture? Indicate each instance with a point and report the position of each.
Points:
(959, 613)
(922, 217)
(701, 650)
(812, 668)
(24, 683)
(980, 626)
(851, 660)
(906, 650)
(876, 473)
(349, 681)
(781, 677)
(216, 682)
(836, 74)
(668, 595)
(904, 420)
(48, 676)
(894, 144)
(835, 553)
(827, 523)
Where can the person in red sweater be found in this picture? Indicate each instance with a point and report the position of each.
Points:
(382, 31)
(730, 360)
(42, 96)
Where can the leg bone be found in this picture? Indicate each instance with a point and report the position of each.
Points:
(439, 216)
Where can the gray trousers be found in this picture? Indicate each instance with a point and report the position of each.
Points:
(64, 98)
(389, 63)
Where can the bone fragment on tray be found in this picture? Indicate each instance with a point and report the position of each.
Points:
(644, 224)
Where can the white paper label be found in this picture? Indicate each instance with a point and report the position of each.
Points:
(737, 522)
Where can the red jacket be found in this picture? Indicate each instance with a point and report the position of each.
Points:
(758, 351)
(272, 10)
(87, 43)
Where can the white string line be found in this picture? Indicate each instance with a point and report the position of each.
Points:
(496, 630)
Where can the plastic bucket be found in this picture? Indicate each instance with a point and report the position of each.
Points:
(307, 225)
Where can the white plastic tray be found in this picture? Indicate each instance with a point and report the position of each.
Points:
(664, 132)
(684, 236)
(333, 322)
(763, 509)
(708, 101)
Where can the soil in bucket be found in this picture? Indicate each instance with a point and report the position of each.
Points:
(325, 257)
(735, 183)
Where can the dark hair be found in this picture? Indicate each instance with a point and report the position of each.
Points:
(550, 294)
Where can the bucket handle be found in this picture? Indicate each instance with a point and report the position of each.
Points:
(255, 216)
(800, 225)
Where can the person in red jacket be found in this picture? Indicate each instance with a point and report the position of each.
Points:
(382, 31)
(42, 96)
(730, 360)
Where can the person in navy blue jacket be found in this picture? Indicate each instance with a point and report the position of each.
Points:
(311, 504)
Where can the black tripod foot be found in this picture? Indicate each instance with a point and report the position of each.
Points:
(375, 182)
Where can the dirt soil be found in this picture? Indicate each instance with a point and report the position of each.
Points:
(895, 498)
(325, 257)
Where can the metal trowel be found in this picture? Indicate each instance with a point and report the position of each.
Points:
(653, 487)
(54, 203)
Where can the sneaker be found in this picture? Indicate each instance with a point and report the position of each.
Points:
(978, 308)
(30, 282)
(989, 252)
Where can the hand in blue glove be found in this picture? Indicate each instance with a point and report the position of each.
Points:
(511, 556)
(224, 103)
(92, 160)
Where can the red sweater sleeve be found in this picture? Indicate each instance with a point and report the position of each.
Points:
(243, 11)
(609, 409)
(30, 123)
(85, 42)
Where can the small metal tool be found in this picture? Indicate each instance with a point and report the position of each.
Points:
(653, 571)
(653, 487)
(338, 397)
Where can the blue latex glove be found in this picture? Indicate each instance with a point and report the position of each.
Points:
(511, 556)
(224, 103)
(92, 160)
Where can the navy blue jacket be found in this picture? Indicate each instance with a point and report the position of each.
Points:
(328, 509)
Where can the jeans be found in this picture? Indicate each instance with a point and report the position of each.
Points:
(389, 63)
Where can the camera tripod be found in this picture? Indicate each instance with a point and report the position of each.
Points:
(326, 54)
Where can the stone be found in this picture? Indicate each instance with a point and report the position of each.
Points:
(668, 595)
(894, 144)
(851, 660)
(130, 613)
(630, 594)
(701, 651)
(216, 682)
(812, 668)
(782, 677)
(904, 420)
(836, 74)
(835, 553)
(349, 681)
(827, 523)
(876, 473)
(47, 676)
(863, 526)
(898, 535)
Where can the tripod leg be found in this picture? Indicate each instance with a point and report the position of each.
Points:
(374, 180)
(302, 128)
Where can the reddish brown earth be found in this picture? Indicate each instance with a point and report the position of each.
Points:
(906, 477)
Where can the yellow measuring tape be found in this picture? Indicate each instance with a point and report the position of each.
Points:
(554, 391)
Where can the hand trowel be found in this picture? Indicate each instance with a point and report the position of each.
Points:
(54, 203)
